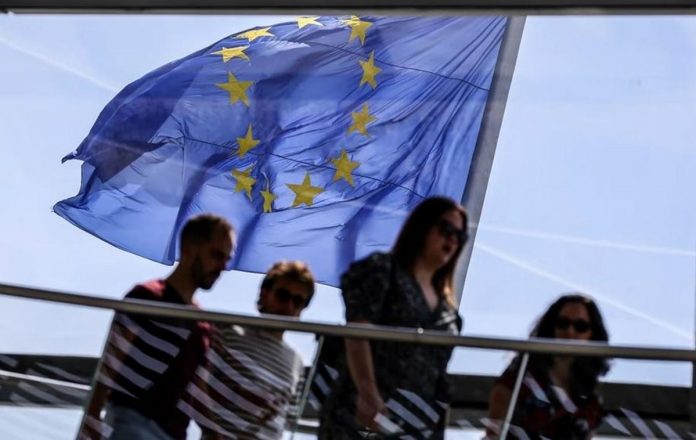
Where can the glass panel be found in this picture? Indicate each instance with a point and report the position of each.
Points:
(46, 367)
(633, 408)
(591, 190)
(39, 423)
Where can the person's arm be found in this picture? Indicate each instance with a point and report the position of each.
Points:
(369, 401)
(92, 424)
(206, 432)
(364, 288)
(200, 380)
(497, 409)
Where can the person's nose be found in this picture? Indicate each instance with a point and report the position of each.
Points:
(221, 264)
(292, 309)
(453, 240)
(572, 334)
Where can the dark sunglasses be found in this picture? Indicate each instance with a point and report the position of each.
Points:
(284, 295)
(447, 230)
(580, 325)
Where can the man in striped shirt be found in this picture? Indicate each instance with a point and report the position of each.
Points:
(253, 376)
(149, 361)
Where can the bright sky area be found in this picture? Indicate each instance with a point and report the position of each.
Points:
(592, 188)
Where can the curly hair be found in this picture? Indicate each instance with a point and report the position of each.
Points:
(585, 370)
(290, 270)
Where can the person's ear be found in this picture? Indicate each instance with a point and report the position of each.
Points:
(263, 298)
(185, 252)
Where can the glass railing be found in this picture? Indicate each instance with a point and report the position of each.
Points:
(245, 388)
(587, 178)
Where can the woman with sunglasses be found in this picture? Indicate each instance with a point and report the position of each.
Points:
(558, 398)
(409, 287)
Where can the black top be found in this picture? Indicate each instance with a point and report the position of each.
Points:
(377, 290)
(546, 411)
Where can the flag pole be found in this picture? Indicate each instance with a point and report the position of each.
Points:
(482, 161)
(692, 390)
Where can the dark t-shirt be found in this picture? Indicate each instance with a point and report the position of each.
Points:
(545, 410)
(161, 357)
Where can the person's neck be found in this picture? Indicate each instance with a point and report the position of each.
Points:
(423, 272)
(561, 370)
(182, 282)
(276, 334)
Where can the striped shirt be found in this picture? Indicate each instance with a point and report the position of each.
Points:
(252, 383)
(148, 362)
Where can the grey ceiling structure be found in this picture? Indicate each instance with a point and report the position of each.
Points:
(268, 6)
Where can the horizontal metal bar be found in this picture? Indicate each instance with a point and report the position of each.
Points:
(314, 6)
(4, 374)
(361, 331)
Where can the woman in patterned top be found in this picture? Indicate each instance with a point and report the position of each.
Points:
(396, 387)
(558, 398)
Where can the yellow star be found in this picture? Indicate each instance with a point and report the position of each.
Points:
(256, 33)
(305, 193)
(247, 142)
(360, 120)
(268, 198)
(357, 28)
(369, 71)
(229, 53)
(244, 181)
(236, 89)
(304, 21)
(344, 167)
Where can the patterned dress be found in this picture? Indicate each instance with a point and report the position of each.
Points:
(411, 378)
(544, 410)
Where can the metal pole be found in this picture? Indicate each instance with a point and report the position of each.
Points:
(93, 385)
(307, 386)
(692, 391)
(513, 398)
(482, 161)
(4, 374)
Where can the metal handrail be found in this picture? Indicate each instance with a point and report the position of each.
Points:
(353, 330)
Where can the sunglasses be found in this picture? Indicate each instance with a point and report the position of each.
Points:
(284, 295)
(580, 325)
(448, 230)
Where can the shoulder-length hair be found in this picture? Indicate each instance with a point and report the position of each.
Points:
(585, 370)
(411, 241)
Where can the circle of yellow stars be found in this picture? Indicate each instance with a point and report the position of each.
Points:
(237, 90)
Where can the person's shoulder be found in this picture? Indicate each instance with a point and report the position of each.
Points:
(229, 331)
(508, 377)
(376, 261)
(382, 258)
(149, 290)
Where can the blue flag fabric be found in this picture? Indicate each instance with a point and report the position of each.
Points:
(314, 138)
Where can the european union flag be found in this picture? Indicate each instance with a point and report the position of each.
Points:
(314, 138)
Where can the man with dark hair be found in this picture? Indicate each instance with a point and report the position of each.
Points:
(149, 361)
(254, 374)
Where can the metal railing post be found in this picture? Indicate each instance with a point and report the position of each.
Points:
(513, 397)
